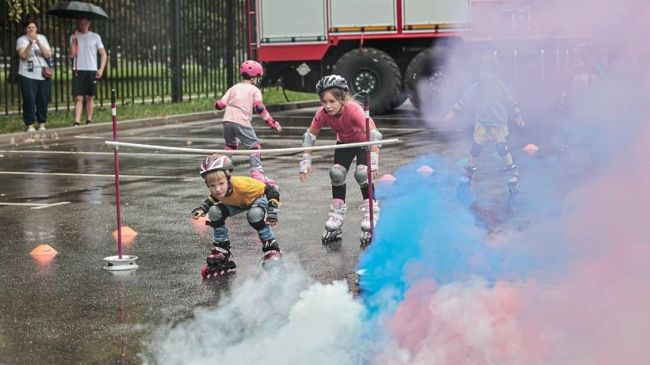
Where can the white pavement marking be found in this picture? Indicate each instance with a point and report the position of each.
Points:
(35, 205)
(50, 205)
(93, 175)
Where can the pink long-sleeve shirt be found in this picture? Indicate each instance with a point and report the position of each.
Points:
(239, 101)
(349, 125)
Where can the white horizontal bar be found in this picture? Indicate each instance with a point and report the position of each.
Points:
(262, 151)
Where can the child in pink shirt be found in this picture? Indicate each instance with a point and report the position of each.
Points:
(347, 118)
(239, 103)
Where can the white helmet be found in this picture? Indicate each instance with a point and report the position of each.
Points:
(216, 162)
(332, 81)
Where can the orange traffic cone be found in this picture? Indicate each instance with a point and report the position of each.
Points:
(128, 235)
(43, 254)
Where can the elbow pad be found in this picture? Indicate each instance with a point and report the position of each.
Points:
(219, 105)
(375, 135)
(261, 110)
(308, 139)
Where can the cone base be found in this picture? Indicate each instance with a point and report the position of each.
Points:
(115, 263)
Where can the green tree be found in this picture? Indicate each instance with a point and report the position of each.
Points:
(17, 8)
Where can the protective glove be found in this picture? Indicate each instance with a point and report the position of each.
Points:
(450, 116)
(520, 121)
(198, 212)
(272, 212)
(202, 210)
(305, 166)
(274, 124)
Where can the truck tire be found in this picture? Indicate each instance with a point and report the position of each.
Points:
(372, 70)
(425, 76)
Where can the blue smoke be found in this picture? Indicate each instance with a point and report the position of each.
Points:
(426, 232)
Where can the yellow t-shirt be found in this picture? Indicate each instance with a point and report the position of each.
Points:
(245, 190)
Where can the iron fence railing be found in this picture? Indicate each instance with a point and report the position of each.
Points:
(158, 51)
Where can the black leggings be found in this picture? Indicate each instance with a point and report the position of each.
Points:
(344, 157)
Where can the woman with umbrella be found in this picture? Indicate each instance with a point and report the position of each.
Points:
(33, 50)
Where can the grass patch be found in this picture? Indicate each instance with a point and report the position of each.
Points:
(64, 118)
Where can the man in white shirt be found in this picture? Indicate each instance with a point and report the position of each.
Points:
(84, 47)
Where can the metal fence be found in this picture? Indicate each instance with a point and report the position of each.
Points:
(158, 51)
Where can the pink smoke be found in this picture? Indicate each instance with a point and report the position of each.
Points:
(596, 312)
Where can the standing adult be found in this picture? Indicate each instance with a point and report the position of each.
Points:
(33, 49)
(84, 47)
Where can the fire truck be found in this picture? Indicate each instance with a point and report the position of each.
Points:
(388, 47)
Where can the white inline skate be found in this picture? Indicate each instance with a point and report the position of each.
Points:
(366, 235)
(333, 225)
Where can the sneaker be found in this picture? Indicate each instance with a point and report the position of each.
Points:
(41, 127)
(88, 122)
(75, 124)
(30, 128)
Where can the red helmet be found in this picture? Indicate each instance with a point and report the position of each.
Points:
(251, 69)
(216, 162)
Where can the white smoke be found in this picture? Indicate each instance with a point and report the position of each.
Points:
(287, 319)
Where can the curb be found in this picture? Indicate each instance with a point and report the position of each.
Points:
(23, 137)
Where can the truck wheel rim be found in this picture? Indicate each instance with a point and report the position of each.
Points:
(365, 80)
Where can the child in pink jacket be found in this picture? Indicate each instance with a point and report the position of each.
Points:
(347, 119)
(239, 103)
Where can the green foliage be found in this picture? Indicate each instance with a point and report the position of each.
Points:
(16, 9)
(129, 110)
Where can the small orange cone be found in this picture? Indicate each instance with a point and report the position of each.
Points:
(531, 149)
(425, 170)
(387, 178)
(43, 254)
(43, 250)
(128, 235)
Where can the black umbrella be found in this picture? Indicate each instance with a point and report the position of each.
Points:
(77, 10)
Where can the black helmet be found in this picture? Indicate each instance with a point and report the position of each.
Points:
(332, 81)
(216, 162)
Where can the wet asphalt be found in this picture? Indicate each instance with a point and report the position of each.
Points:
(60, 191)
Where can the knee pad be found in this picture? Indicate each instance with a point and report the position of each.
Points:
(502, 149)
(217, 214)
(337, 175)
(476, 150)
(255, 217)
(361, 175)
(230, 147)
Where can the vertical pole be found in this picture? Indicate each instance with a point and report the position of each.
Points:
(177, 69)
(249, 28)
(230, 42)
(116, 159)
(371, 197)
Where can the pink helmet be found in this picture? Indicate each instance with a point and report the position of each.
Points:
(216, 162)
(251, 69)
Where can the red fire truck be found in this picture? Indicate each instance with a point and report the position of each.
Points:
(387, 47)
